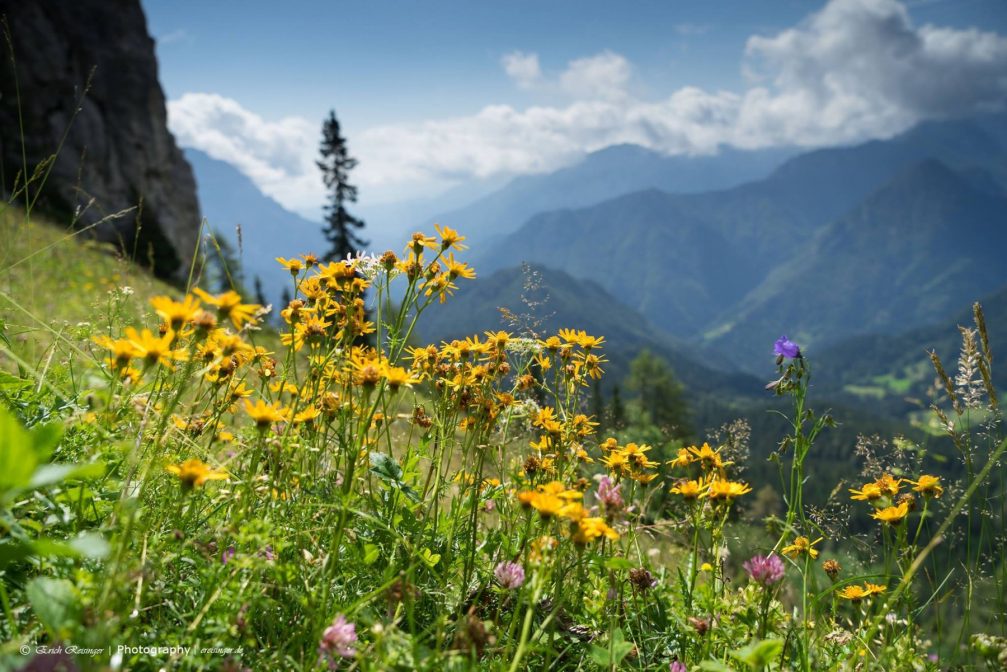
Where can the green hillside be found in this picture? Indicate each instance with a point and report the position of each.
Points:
(55, 282)
(894, 372)
(671, 266)
(921, 248)
(565, 302)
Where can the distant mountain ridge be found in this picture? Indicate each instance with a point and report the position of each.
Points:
(578, 304)
(921, 247)
(696, 264)
(604, 174)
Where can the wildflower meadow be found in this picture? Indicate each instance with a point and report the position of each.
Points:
(201, 488)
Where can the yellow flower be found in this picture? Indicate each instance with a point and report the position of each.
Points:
(574, 511)
(396, 377)
(726, 490)
(561, 491)
(589, 529)
(229, 306)
(582, 425)
(265, 414)
(441, 286)
(801, 545)
(419, 241)
(636, 454)
(874, 589)
(121, 350)
(689, 490)
(174, 313)
(450, 238)
(709, 457)
(457, 269)
(153, 349)
(893, 515)
(308, 415)
(683, 459)
(608, 445)
(544, 444)
(868, 493)
(239, 391)
(889, 486)
(293, 265)
(546, 419)
(195, 472)
(581, 338)
(547, 505)
(852, 593)
(616, 461)
(929, 486)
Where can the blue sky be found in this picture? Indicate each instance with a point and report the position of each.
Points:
(432, 94)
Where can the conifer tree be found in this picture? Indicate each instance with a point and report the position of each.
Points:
(341, 228)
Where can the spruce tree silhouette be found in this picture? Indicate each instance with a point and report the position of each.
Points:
(341, 228)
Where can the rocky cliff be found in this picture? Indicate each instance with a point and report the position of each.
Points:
(86, 77)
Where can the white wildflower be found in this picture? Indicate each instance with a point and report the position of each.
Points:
(523, 346)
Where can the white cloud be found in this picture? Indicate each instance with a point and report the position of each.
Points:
(860, 68)
(605, 75)
(854, 70)
(278, 156)
(523, 68)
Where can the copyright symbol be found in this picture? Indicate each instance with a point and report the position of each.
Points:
(25, 650)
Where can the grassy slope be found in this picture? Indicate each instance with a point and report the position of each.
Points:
(52, 280)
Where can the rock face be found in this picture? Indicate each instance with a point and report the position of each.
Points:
(117, 152)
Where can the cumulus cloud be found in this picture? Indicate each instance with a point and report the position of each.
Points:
(278, 156)
(605, 75)
(523, 68)
(859, 68)
(856, 69)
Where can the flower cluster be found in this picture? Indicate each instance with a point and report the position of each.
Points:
(554, 500)
(889, 506)
(711, 482)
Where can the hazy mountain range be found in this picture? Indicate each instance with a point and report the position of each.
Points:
(707, 260)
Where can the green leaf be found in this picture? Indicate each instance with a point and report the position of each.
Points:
(617, 564)
(49, 474)
(45, 438)
(371, 554)
(90, 545)
(55, 603)
(386, 468)
(12, 551)
(758, 654)
(714, 666)
(429, 557)
(17, 455)
(611, 654)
